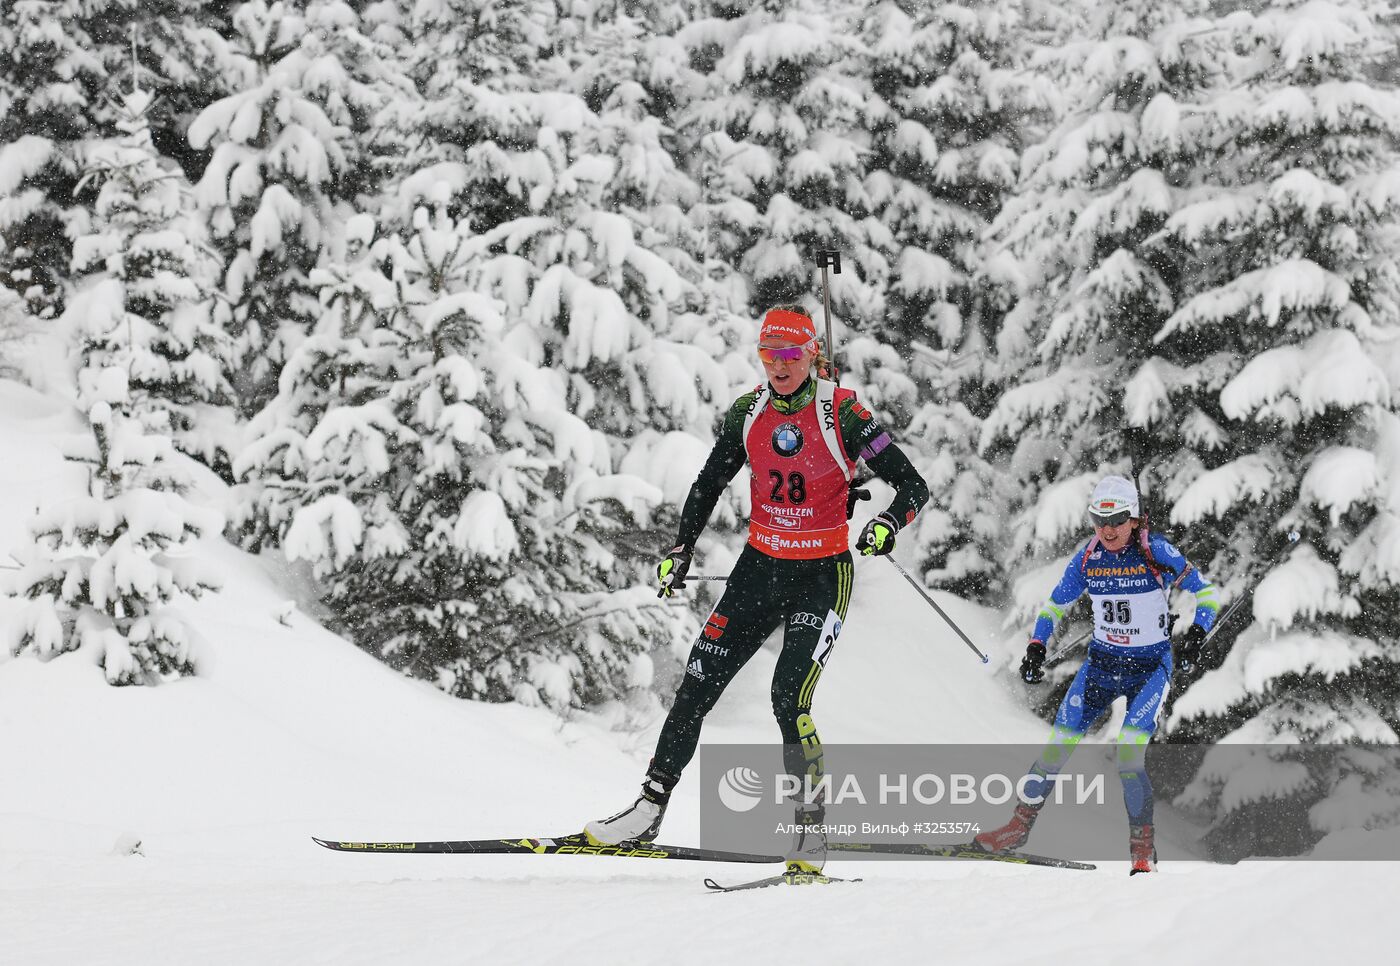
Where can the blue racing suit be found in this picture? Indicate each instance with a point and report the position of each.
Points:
(1130, 654)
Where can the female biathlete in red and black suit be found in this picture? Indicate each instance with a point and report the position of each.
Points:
(801, 436)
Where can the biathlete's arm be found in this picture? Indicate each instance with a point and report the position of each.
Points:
(1072, 584)
(1207, 607)
(723, 462)
(863, 436)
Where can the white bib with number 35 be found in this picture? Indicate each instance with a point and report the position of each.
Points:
(1131, 620)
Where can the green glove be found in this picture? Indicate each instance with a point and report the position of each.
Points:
(877, 539)
(671, 571)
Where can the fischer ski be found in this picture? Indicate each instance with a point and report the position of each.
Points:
(577, 844)
(956, 852)
(786, 878)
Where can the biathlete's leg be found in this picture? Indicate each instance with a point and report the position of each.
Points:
(733, 633)
(817, 594)
(1081, 706)
(1087, 698)
(745, 615)
(1140, 723)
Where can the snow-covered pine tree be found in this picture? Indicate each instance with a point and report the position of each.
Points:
(51, 86)
(345, 359)
(950, 109)
(1289, 310)
(62, 57)
(103, 567)
(276, 184)
(163, 47)
(433, 474)
(354, 77)
(1096, 285)
(148, 307)
(468, 63)
(584, 235)
(618, 257)
(778, 139)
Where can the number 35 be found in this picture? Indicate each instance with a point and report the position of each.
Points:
(1117, 612)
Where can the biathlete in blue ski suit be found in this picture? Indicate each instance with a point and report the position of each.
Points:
(1127, 573)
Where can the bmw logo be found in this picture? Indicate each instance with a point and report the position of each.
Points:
(787, 440)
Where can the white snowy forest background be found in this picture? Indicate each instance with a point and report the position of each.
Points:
(452, 293)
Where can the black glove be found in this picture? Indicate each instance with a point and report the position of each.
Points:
(854, 493)
(671, 571)
(877, 539)
(1188, 652)
(1033, 664)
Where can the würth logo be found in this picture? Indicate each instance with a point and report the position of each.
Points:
(714, 627)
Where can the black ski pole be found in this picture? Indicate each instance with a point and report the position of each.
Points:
(934, 604)
(1068, 646)
(829, 258)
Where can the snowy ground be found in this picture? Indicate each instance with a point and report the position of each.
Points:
(293, 732)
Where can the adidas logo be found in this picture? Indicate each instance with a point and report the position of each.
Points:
(697, 669)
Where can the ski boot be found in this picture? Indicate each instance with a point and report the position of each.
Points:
(1013, 834)
(807, 856)
(640, 821)
(1140, 846)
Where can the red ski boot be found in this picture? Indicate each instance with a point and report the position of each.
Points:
(1013, 834)
(1140, 846)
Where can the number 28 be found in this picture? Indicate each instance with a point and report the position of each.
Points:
(796, 487)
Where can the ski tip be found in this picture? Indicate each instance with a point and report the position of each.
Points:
(986, 659)
(334, 846)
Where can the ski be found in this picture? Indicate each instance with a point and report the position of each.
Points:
(565, 845)
(578, 844)
(957, 852)
(786, 878)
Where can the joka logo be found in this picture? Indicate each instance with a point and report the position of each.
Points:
(740, 789)
(787, 440)
(714, 627)
(696, 669)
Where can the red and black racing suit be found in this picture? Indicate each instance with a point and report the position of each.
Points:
(796, 570)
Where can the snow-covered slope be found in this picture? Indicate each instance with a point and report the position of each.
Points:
(290, 731)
